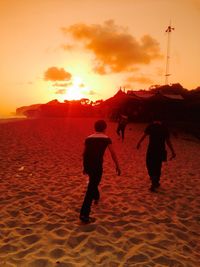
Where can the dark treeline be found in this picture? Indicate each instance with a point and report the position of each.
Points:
(173, 103)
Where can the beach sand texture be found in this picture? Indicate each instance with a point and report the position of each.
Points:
(42, 189)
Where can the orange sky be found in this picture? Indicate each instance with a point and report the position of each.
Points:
(58, 49)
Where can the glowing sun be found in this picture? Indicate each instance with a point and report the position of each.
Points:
(75, 91)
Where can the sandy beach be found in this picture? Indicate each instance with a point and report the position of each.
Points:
(42, 189)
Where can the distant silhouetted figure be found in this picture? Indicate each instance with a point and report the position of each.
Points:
(122, 122)
(95, 146)
(156, 152)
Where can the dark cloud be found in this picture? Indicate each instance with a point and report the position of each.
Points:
(62, 84)
(92, 92)
(115, 49)
(56, 74)
(60, 92)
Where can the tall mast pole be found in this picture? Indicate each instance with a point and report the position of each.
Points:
(168, 31)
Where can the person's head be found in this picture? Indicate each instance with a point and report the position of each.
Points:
(100, 126)
(156, 117)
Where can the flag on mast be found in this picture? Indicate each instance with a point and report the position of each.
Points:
(169, 29)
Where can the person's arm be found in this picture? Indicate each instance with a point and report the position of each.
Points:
(169, 144)
(83, 155)
(141, 140)
(114, 157)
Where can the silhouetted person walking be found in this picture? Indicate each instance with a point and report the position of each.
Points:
(95, 146)
(156, 151)
(122, 122)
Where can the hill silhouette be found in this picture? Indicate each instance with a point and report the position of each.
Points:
(171, 102)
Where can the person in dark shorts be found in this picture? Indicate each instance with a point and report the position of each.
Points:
(95, 146)
(156, 151)
(122, 122)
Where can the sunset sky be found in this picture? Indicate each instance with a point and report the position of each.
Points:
(70, 49)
